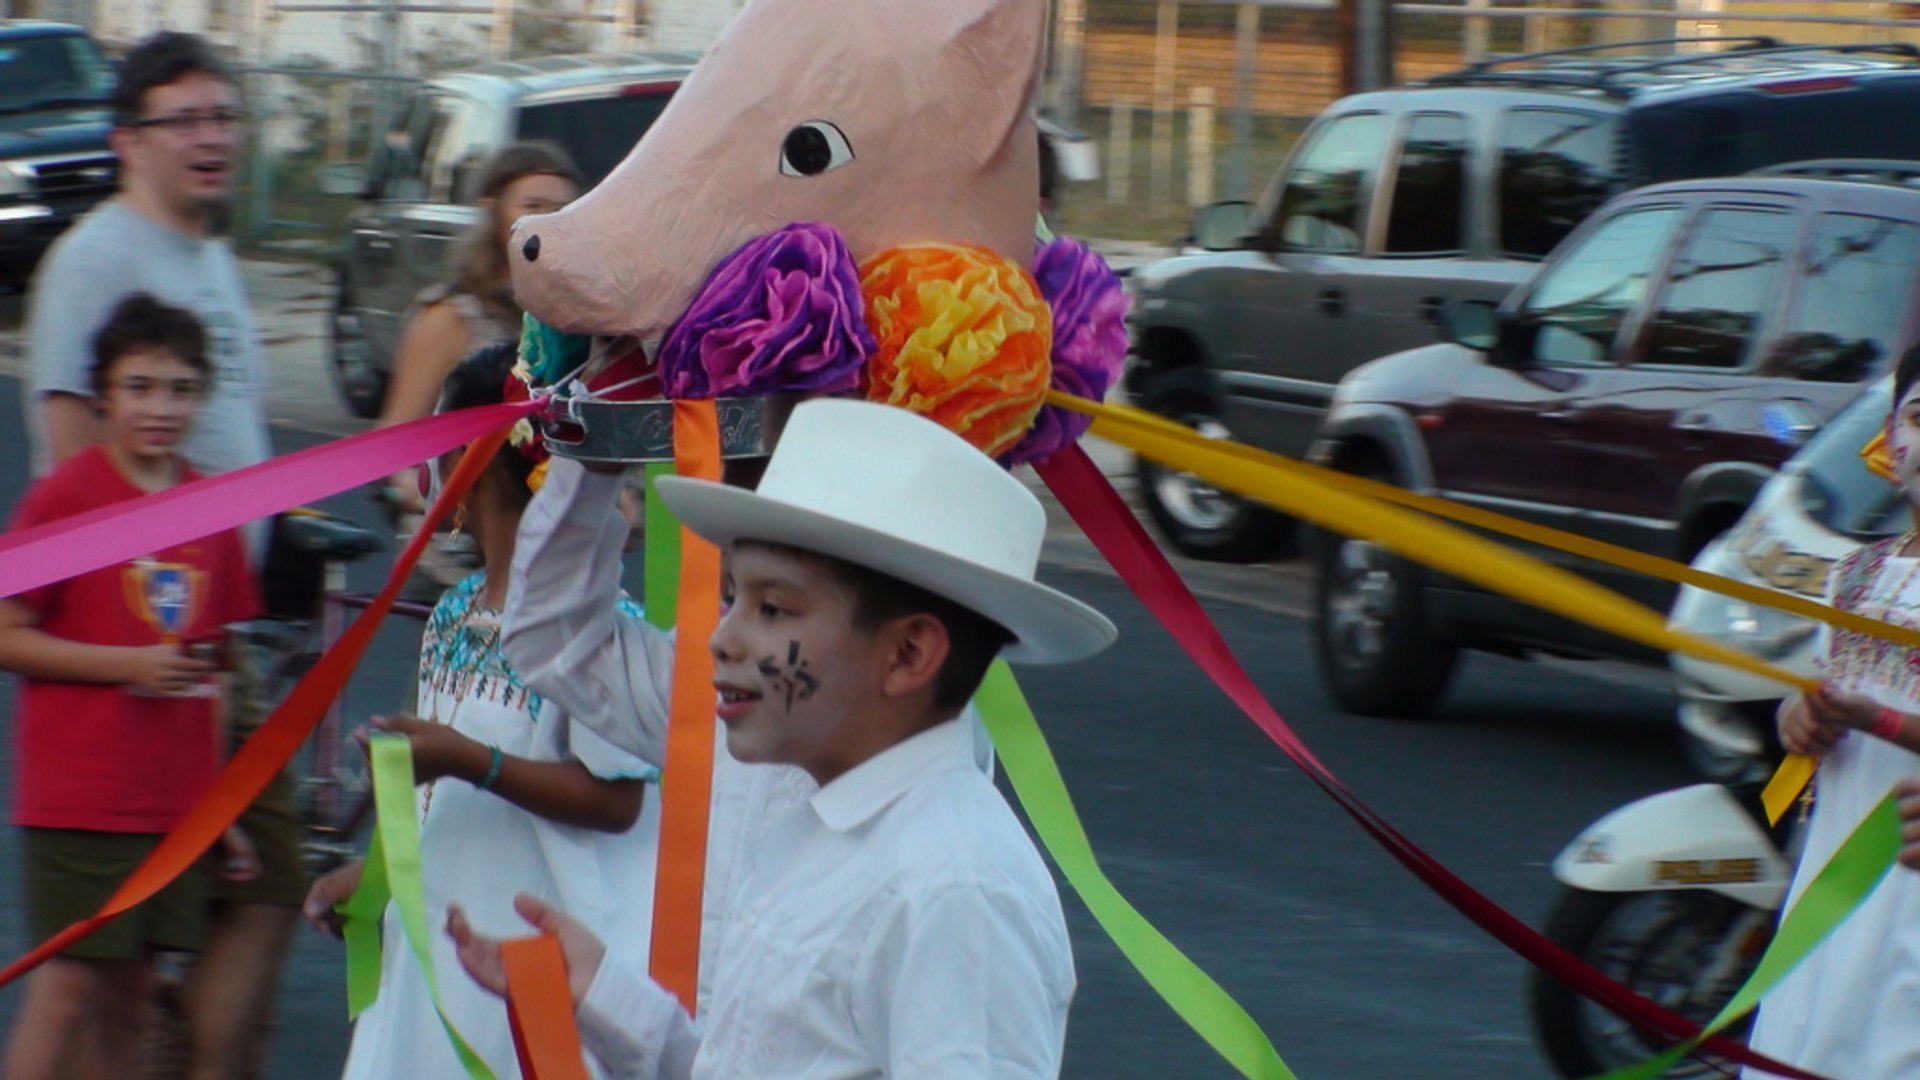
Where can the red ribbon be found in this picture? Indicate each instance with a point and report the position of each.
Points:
(540, 1010)
(1106, 519)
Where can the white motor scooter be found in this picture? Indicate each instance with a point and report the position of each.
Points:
(1674, 896)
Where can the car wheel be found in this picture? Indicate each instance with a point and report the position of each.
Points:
(362, 384)
(1199, 520)
(1377, 653)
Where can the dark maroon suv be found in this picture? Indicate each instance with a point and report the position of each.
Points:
(1640, 388)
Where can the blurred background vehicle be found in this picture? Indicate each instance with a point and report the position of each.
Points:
(54, 119)
(1821, 506)
(416, 193)
(1674, 353)
(1397, 203)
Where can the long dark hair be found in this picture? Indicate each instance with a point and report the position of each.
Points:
(482, 270)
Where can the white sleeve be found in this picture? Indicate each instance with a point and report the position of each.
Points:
(633, 1028)
(564, 630)
(967, 981)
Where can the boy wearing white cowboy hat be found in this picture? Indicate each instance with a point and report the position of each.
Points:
(897, 922)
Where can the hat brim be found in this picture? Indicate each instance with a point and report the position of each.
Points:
(1048, 626)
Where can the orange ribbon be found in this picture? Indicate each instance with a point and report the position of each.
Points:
(540, 1009)
(256, 764)
(686, 783)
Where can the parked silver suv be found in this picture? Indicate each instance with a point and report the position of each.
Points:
(416, 192)
(1397, 204)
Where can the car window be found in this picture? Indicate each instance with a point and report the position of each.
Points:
(1428, 213)
(52, 67)
(1556, 168)
(598, 132)
(1728, 133)
(1322, 207)
(401, 163)
(460, 141)
(1718, 288)
(1837, 489)
(1580, 301)
(1853, 298)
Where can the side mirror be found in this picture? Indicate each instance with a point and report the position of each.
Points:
(1474, 324)
(348, 178)
(1223, 226)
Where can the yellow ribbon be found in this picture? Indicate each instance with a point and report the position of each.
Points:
(1368, 510)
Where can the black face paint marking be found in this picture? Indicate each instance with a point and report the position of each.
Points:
(794, 681)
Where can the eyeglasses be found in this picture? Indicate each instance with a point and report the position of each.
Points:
(178, 389)
(184, 123)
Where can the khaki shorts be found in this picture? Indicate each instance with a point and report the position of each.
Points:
(71, 872)
(273, 821)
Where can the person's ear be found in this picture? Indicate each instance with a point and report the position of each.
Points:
(917, 647)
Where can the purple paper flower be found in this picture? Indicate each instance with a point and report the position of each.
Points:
(1089, 341)
(782, 314)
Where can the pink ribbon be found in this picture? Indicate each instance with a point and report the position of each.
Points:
(113, 534)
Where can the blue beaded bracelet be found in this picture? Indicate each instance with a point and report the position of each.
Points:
(493, 770)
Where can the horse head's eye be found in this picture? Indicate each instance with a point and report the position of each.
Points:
(813, 148)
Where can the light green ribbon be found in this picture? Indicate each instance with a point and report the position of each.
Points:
(392, 873)
(1843, 885)
(1036, 780)
(662, 553)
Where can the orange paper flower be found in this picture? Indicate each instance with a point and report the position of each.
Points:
(964, 339)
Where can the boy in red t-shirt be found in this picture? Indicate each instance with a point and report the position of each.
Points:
(118, 727)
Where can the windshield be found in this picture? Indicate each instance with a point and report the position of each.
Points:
(1836, 489)
(1743, 130)
(597, 132)
(60, 68)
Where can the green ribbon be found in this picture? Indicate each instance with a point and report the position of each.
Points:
(1842, 886)
(1036, 780)
(360, 916)
(392, 872)
(662, 553)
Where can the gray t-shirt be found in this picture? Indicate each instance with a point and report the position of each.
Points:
(114, 251)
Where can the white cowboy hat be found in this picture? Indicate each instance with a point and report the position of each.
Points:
(880, 487)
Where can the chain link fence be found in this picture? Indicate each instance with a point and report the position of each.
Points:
(1198, 100)
(304, 119)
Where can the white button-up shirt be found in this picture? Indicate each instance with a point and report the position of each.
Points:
(898, 924)
(781, 857)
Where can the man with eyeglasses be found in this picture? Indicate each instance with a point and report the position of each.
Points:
(177, 133)
(177, 130)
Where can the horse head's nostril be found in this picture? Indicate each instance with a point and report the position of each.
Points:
(531, 249)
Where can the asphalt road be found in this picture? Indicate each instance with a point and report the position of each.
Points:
(1353, 969)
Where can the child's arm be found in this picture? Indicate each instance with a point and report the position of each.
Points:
(27, 650)
(564, 632)
(562, 791)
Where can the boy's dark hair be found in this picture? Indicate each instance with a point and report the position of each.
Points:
(162, 58)
(141, 321)
(1906, 373)
(973, 640)
(481, 379)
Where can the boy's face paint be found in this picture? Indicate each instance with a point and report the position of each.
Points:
(791, 671)
(1903, 441)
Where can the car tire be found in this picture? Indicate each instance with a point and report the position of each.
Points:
(1200, 521)
(362, 385)
(1377, 652)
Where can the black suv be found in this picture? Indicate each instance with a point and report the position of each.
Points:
(1398, 203)
(54, 119)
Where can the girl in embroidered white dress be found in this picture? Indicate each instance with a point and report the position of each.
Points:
(513, 797)
(1852, 1008)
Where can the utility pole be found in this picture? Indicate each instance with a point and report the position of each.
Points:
(1069, 45)
(1366, 39)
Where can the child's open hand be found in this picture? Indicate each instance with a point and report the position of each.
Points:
(480, 954)
(162, 670)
